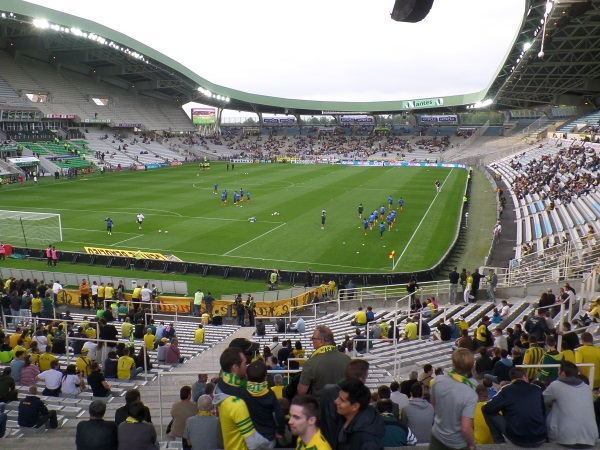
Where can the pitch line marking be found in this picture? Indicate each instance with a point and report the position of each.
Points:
(420, 223)
(257, 237)
(129, 239)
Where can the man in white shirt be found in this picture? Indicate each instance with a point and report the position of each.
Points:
(52, 378)
(140, 219)
(146, 295)
(56, 288)
(299, 326)
(91, 346)
(505, 310)
(500, 340)
(94, 287)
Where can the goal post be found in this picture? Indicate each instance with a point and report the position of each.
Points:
(25, 228)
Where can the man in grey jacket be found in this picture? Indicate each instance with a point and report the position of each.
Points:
(418, 414)
(571, 420)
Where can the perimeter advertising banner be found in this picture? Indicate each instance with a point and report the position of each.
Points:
(204, 116)
(452, 118)
(423, 103)
(279, 120)
(360, 119)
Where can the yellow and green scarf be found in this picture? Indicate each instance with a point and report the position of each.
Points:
(460, 378)
(324, 349)
(232, 379)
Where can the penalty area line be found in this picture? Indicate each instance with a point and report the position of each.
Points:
(251, 240)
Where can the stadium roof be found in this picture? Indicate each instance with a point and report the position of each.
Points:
(568, 73)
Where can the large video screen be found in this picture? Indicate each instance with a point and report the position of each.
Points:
(204, 116)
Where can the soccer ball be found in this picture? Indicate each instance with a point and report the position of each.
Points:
(160, 231)
(166, 231)
(241, 206)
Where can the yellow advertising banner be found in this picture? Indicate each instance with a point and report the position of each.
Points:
(182, 304)
(128, 254)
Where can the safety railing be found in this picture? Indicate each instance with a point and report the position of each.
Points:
(557, 366)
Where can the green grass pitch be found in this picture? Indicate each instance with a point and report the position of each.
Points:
(180, 200)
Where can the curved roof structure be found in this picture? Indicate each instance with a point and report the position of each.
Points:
(567, 72)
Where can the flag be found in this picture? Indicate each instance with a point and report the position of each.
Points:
(392, 253)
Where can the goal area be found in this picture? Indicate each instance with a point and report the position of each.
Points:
(25, 228)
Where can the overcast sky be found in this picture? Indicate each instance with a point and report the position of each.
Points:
(346, 50)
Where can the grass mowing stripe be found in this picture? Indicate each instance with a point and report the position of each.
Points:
(252, 240)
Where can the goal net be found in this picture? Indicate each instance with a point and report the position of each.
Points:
(24, 228)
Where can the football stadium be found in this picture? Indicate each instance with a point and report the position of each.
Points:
(201, 259)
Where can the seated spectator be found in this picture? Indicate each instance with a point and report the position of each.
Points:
(480, 427)
(8, 389)
(199, 387)
(298, 327)
(122, 413)
(418, 414)
(96, 433)
(260, 328)
(426, 376)
(484, 364)
(370, 314)
(501, 371)
(181, 411)
(201, 429)
(17, 364)
(110, 364)
(360, 318)
(571, 421)
(33, 413)
(523, 418)
(396, 433)
(126, 366)
(72, 382)
(173, 354)
(97, 382)
(29, 372)
(136, 432)
(3, 419)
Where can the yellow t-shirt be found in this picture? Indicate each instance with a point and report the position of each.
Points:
(126, 329)
(91, 333)
(360, 318)
(124, 367)
(482, 431)
(36, 305)
(569, 355)
(19, 348)
(384, 329)
(278, 391)
(84, 365)
(109, 292)
(482, 333)
(14, 338)
(589, 354)
(149, 341)
(136, 294)
(236, 423)
(101, 291)
(411, 331)
(45, 360)
(199, 336)
(318, 442)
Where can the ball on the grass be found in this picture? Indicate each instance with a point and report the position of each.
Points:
(160, 231)
(241, 206)
(166, 231)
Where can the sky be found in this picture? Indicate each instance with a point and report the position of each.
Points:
(337, 50)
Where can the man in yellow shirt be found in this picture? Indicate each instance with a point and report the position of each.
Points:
(360, 318)
(589, 354)
(126, 328)
(83, 363)
(304, 413)
(101, 294)
(135, 298)
(480, 426)
(109, 292)
(126, 366)
(199, 335)
(411, 330)
(14, 338)
(46, 358)
(149, 339)
(36, 305)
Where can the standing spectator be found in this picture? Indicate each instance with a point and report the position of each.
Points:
(571, 418)
(135, 432)
(94, 289)
(418, 414)
(467, 292)
(181, 411)
(453, 397)
(208, 301)
(201, 429)
(396, 434)
(523, 419)
(362, 427)
(325, 365)
(198, 297)
(492, 281)
(476, 282)
(33, 413)
(236, 427)
(84, 294)
(588, 353)
(96, 433)
(304, 414)
(453, 278)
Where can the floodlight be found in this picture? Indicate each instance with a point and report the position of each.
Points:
(4, 15)
(526, 46)
(41, 23)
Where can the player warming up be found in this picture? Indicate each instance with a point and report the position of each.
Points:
(109, 224)
(360, 211)
(323, 217)
(438, 186)
(140, 219)
(381, 230)
(400, 204)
